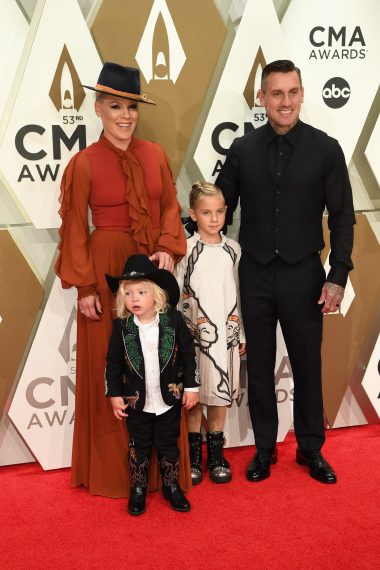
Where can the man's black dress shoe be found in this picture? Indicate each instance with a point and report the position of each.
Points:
(318, 467)
(259, 468)
(176, 498)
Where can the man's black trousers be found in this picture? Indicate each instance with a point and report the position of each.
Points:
(287, 293)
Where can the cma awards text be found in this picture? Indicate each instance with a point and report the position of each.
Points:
(26, 146)
(259, 118)
(41, 395)
(341, 43)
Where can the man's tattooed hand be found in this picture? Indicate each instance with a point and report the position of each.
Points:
(331, 297)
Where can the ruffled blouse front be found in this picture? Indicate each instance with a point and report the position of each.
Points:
(131, 191)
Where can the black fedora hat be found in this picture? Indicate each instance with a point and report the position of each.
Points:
(139, 267)
(115, 79)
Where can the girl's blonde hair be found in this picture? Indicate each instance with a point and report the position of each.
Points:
(159, 295)
(200, 189)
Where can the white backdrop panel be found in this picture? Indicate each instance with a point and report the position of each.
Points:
(34, 150)
(42, 408)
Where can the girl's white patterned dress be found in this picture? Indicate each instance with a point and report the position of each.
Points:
(210, 302)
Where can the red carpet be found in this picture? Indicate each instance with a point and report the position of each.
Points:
(289, 521)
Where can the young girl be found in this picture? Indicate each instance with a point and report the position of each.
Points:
(208, 278)
(150, 373)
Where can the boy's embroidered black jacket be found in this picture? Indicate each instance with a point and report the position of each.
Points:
(125, 371)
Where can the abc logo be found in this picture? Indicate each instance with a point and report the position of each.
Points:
(336, 92)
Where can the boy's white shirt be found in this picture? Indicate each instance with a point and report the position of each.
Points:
(149, 333)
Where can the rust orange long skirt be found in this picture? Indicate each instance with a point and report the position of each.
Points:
(100, 444)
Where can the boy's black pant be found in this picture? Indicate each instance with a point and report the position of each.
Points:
(148, 430)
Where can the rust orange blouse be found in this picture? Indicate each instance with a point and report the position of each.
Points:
(130, 191)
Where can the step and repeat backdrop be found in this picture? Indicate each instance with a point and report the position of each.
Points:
(201, 62)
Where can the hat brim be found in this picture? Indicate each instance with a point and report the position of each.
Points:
(133, 96)
(162, 277)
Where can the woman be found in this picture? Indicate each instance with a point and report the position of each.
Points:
(127, 184)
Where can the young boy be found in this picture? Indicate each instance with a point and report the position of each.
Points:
(150, 373)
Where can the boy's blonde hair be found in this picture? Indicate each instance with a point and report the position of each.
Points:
(200, 189)
(159, 295)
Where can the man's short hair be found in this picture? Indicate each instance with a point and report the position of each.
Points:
(278, 66)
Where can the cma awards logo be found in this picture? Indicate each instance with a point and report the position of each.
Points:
(66, 92)
(255, 114)
(67, 95)
(50, 396)
(160, 54)
(337, 43)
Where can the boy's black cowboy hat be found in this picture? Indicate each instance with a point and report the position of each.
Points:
(139, 267)
(115, 79)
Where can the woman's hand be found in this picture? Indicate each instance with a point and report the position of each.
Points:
(118, 407)
(90, 307)
(164, 260)
(190, 399)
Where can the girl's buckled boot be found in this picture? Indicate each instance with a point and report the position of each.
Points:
(171, 490)
(138, 472)
(220, 471)
(195, 443)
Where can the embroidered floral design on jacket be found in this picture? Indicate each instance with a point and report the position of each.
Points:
(176, 390)
(167, 340)
(131, 343)
(131, 400)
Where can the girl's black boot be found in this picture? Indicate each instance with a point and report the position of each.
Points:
(220, 471)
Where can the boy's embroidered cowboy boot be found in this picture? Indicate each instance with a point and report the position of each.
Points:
(138, 472)
(218, 466)
(171, 490)
(195, 442)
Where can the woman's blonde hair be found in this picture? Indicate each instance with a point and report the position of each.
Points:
(200, 189)
(159, 295)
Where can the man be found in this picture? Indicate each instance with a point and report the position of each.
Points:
(286, 173)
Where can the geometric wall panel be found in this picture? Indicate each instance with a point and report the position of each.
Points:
(345, 335)
(371, 379)
(51, 118)
(13, 32)
(373, 151)
(350, 413)
(21, 294)
(42, 408)
(13, 450)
